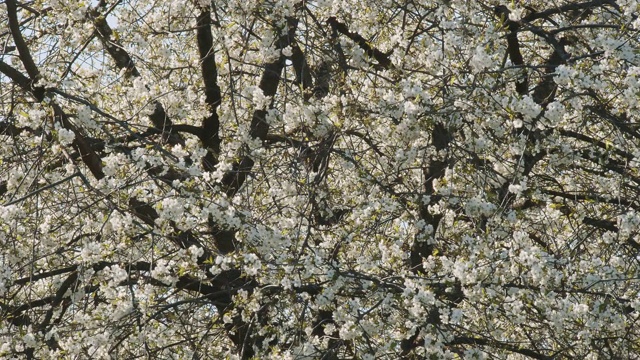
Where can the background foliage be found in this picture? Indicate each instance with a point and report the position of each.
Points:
(319, 179)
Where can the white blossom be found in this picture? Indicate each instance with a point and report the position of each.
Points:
(65, 136)
(421, 180)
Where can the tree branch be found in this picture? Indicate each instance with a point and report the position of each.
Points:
(568, 7)
(211, 124)
(382, 58)
(123, 60)
(233, 180)
(513, 48)
(88, 156)
(23, 49)
(465, 340)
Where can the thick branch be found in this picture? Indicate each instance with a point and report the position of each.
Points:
(87, 154)
(71, 280)
(16, 76)
(607, 225)
(619, 121)
(513, 48)
(233, 180)
(590, 197)
(9, 129)
(382, 58)
(123, 60)
(592, 141)
(269, 82)
(23, 49)
(568, 7)
(213, 98)
(422, 249)
(301, 67)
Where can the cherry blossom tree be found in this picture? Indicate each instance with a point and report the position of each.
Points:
(321, 179)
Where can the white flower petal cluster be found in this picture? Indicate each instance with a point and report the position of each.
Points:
(481, 60)
(476, 206)
(65, 136)
(319, 179)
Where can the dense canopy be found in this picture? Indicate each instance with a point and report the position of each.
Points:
(321, 179)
